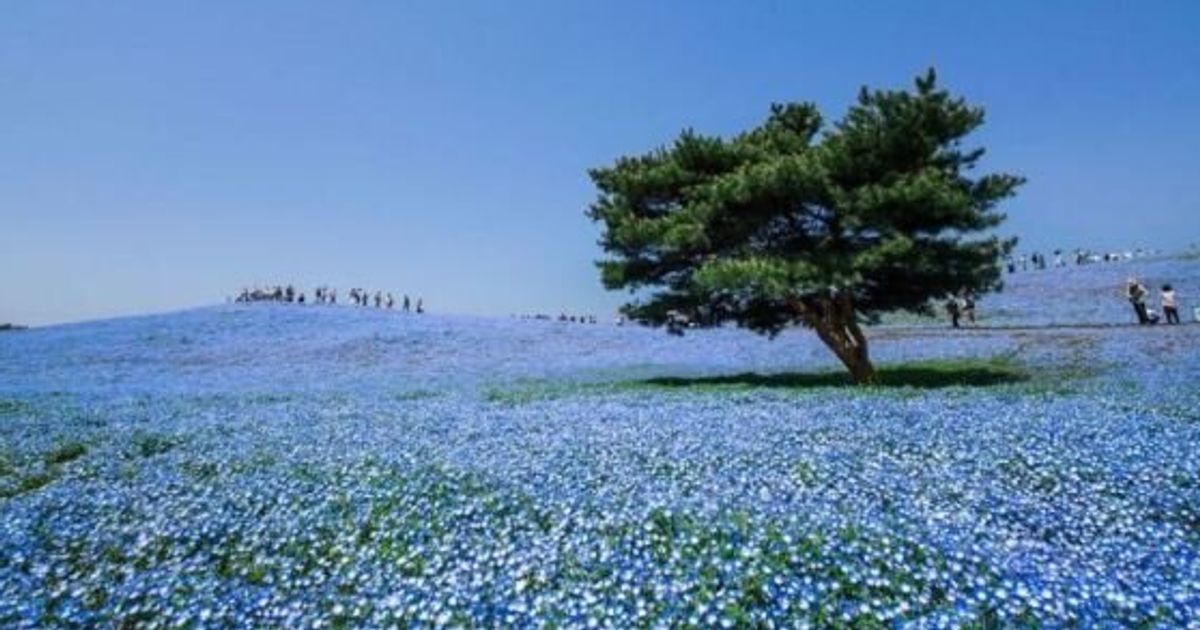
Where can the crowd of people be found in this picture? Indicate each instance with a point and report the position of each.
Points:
(961, 307)
(328, 295)
(1037, 261)
(563, 317)
(1138, 295)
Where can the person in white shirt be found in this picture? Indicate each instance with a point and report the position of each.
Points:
(1169, 307)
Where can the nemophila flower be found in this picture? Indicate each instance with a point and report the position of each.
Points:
(317, 467)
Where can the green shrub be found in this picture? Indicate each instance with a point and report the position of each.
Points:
(65, 452)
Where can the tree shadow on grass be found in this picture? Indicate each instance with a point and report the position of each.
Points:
(923, 375)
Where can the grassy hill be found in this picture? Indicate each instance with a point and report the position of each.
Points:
(300, 466)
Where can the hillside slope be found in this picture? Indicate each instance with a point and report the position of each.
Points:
(288, 466)
(290, 347)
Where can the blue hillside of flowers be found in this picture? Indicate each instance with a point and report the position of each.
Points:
(1088, 294)
(302, 466)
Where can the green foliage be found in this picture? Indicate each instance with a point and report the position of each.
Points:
(769, 228)
(918, 375)
(13, 407)
(151, 444)
(65, 452)
(28, 483)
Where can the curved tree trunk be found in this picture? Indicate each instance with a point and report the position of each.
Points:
(834, 320)
(847, 342)
(860, 365)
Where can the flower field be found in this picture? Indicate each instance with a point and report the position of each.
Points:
(286, 466)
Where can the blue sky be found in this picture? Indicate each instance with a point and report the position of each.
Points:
(156, 155)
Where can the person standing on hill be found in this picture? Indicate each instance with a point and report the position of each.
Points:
(407, 304)
(954, 310)
(1135, 292)
(1169, 307)
(968, 306)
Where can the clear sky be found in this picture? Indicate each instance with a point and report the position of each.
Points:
(156, 155)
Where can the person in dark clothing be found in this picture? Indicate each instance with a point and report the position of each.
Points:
(420, 306)
(407, 304)
(1136, 294)
(954, 310)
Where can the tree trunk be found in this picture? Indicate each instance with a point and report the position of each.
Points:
(861, 368)
(836, 325)
(852, 353)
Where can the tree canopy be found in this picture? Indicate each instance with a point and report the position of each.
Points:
(796, 222)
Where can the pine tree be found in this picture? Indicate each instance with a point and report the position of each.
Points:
(796, 223)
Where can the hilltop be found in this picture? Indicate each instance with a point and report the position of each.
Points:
(292, 347)
(299, 466)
